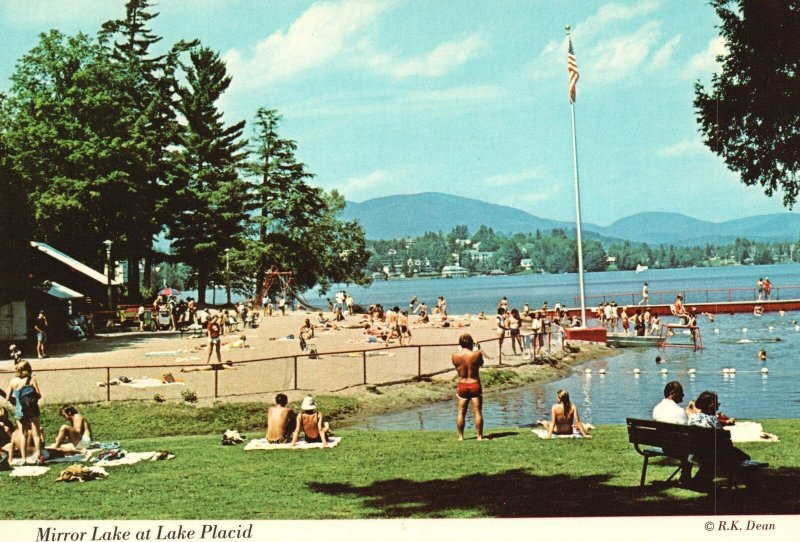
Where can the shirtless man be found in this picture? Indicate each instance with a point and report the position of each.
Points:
(280, 421)
(468, 362)
(679, 310)
(78, 433)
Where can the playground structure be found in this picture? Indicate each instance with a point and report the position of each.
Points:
(281, 284)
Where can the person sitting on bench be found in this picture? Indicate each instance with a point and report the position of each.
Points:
(726, 457)
(668, 410)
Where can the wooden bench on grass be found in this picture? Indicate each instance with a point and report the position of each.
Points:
(681, 442)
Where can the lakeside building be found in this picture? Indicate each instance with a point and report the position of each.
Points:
(454, 271)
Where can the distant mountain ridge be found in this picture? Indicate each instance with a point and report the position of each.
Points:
(392, 217)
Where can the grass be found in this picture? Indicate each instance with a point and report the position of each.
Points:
(377, 474)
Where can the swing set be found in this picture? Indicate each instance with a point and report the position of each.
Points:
(281, 284)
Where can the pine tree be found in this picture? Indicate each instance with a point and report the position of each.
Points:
(146, 110)
(209, 205)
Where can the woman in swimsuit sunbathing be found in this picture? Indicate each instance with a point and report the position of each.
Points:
(564, 417)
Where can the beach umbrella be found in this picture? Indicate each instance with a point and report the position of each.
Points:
(169, 291)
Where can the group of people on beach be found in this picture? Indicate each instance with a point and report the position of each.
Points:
(21, 398)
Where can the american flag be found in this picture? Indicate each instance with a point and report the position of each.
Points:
(572, 71)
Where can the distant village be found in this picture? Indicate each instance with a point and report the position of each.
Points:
(486, 252)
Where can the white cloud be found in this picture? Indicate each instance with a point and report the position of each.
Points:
(706, 62)
(373, 185)
(618, 57)
(476, 93)
(439, 61)
(323, 32)
(508, 179)
(683, 148)
(584, 34)
(609, 16)
(663, 56)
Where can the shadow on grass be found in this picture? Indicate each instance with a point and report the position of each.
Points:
(520, 493)
(500, 434)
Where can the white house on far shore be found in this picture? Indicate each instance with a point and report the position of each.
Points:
(454, 271)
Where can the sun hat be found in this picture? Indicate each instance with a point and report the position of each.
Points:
(308, 403)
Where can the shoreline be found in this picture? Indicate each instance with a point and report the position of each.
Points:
(395, 397)
(397, 392)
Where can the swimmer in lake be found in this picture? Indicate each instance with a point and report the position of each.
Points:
(762, 355)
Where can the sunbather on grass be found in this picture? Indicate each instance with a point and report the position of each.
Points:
(78, 433)
(311, 422)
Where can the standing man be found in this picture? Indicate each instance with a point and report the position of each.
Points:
(41, 333)
(645, 295)
(280, 421)
(468, 361)
(214, 331)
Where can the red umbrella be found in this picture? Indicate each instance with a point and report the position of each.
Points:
(170, 291)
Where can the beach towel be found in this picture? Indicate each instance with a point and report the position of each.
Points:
(262, 444)
(54, 457)
(541, 432)
(28, 470)
(750, 432)
(165, 353)
(149, 383)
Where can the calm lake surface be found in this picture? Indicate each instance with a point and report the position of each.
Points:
(730, 342)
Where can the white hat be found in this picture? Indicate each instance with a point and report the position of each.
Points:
(308, 403)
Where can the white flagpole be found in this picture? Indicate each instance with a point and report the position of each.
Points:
(577, 208)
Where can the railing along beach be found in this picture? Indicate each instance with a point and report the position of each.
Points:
(705, 295)
(323, 371)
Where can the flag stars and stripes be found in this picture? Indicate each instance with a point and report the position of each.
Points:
(572, 71)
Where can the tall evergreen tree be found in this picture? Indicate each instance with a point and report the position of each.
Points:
(209, 200)
(297, 227)
(146, 109)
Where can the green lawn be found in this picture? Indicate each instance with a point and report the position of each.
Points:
(374, 474)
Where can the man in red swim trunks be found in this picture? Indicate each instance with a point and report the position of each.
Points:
(467, 362)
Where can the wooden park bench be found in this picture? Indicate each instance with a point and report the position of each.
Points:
(681, 442)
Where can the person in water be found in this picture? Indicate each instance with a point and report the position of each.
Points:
(564, 418)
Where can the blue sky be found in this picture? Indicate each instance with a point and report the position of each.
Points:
(465, 97)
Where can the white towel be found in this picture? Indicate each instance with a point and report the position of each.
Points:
(750, 432)
(542, 433)
(262, 444)
(28, 470)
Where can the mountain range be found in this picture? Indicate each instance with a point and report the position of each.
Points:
(392, 217)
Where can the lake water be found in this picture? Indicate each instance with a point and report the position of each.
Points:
(474, 294)
(730, 342)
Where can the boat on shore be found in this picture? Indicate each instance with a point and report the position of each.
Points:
(633, 341)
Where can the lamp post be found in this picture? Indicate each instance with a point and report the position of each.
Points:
(228, 276)
(213, 294)
(109, 274)
(157, 269)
